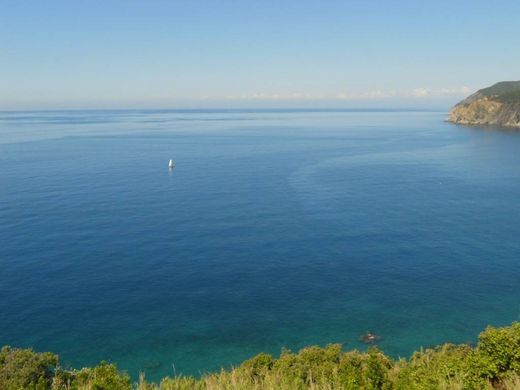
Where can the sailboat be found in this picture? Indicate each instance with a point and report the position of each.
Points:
(171, 164)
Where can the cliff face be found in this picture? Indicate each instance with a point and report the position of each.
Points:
(498, 105)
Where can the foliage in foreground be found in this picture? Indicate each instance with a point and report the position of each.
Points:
(493, 364)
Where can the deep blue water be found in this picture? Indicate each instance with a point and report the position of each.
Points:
(276, 229)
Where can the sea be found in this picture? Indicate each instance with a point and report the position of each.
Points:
(277, 229)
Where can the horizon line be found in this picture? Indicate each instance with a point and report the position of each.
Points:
(236, 109)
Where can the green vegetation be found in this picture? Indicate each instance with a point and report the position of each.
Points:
(493, 364)
(505, 91)
(510, 97)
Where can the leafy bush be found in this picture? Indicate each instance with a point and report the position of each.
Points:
(25, 369)
(102, 377)
(500, 349)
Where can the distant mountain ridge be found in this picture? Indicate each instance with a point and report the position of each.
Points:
(498, 105)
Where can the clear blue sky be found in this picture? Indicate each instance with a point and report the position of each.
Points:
(86, 54)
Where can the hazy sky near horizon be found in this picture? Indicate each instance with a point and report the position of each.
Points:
(180, 54)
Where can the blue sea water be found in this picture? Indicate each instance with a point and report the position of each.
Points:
(276, 229)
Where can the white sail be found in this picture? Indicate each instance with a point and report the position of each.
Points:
(171, 164)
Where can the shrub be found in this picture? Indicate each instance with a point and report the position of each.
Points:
(259, 365)
(26, 369)
(104, 376)
(499, 351)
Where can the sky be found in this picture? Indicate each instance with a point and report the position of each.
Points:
(263, 53)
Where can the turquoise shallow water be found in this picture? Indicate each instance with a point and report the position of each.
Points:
(276, 229)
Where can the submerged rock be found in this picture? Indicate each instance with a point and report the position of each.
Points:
(369, 337)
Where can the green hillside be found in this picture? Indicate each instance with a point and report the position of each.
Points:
(506, 91)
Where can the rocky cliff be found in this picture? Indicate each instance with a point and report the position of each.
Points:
(498, 105)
